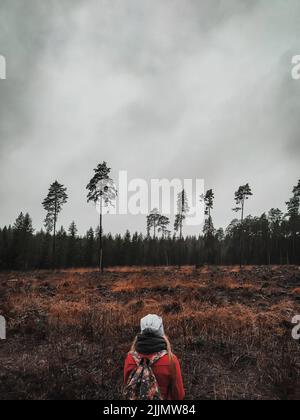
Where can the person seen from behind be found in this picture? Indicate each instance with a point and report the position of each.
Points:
(152, 371)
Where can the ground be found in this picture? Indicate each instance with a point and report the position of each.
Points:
(69, 331)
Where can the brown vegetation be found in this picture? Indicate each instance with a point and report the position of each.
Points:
(69, 331)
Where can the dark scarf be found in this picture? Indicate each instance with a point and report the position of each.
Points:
(148, 343)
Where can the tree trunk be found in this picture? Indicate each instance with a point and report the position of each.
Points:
(241, 237)
(287, 252)
(180, 243)
(54, 238)
(181, 228)
(101, 266)
(294, 249)
(54, 246)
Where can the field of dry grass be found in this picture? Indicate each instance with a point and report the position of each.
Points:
(69, 331)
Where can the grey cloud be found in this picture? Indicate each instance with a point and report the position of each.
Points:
(161, 88)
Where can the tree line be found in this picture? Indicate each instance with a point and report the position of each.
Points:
(272, 238)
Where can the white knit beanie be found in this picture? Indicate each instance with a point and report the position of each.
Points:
(152, 324)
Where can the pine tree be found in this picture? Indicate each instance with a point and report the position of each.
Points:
(22, 235)
(61, 248)
(153, 222)
(293, 206)
(275, 217)
(208, 229)
(53, 204)
(102, 192)
(72, 242)
(89, 247)
(296, 190)
(241, 195)
(182, 211)
(266, 239)
(163, 223)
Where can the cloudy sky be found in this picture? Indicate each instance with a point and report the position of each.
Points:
(160, 88)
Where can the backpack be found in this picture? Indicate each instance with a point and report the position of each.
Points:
(142, 383)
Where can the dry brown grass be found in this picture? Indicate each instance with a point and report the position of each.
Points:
(69, 331)
(296, 291)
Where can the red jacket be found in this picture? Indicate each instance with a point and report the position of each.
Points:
(161, 370)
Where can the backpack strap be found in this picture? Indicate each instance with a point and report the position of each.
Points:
(157, 356)
(136, 357)
(152, 360)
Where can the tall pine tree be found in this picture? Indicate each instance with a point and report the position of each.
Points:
(102, 192)
(53, 203)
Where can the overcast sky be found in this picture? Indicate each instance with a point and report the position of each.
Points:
(161, 88)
